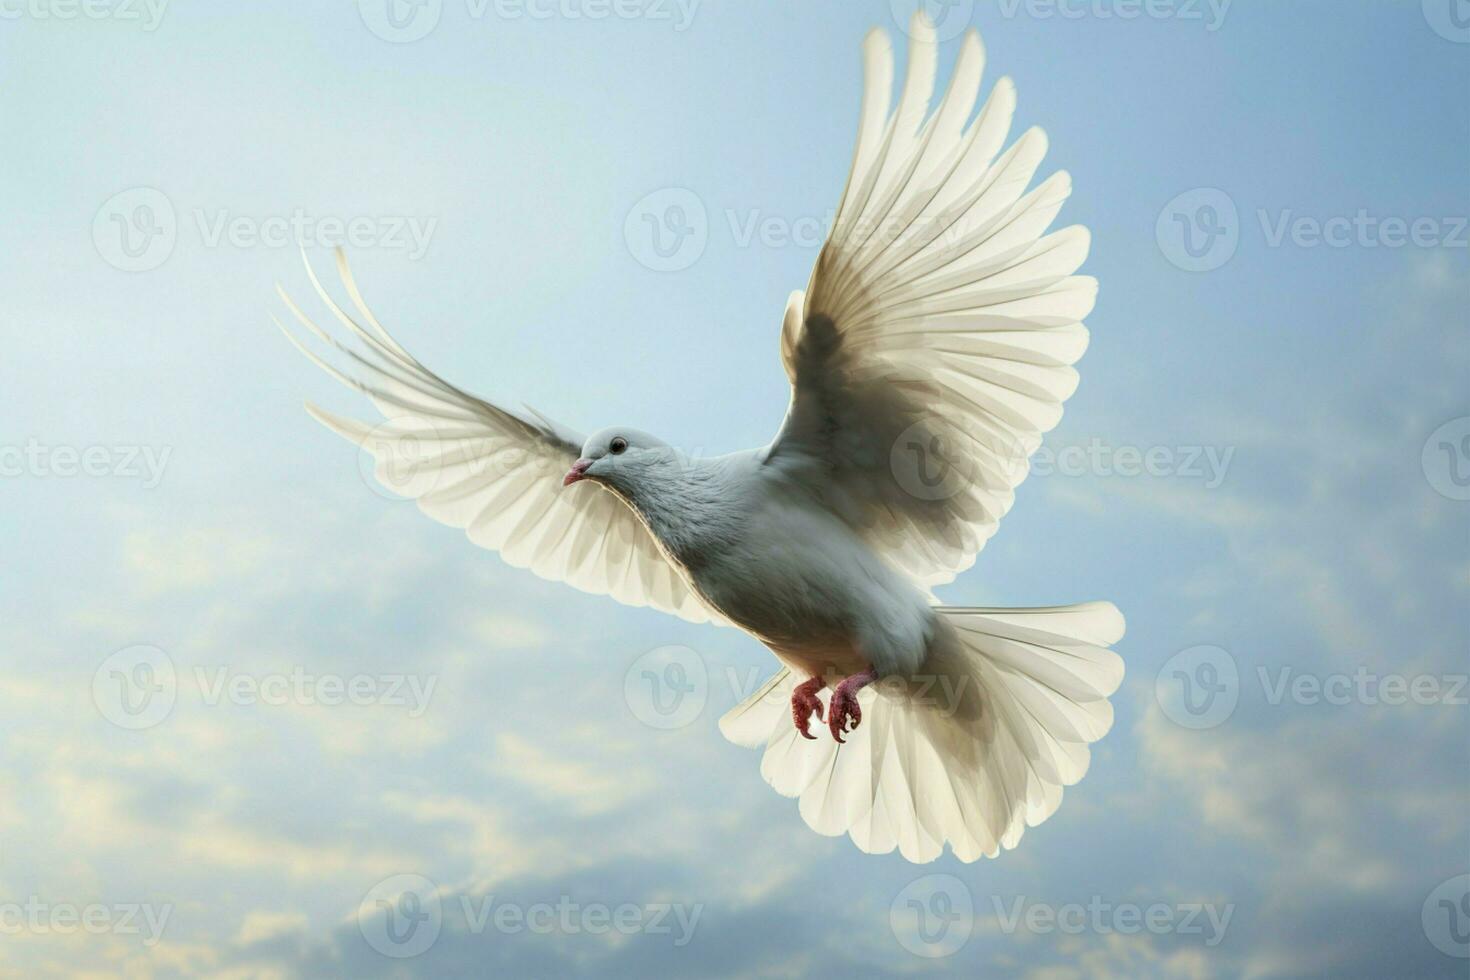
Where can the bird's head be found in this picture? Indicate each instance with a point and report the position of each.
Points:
(617, 455)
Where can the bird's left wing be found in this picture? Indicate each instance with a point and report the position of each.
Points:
(934, 343)
(491, 471)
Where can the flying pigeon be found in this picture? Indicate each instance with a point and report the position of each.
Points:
(932, 347)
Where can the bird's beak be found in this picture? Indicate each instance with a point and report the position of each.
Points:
(577, 472)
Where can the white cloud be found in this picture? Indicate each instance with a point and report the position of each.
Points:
(594, 779)
(264, 924)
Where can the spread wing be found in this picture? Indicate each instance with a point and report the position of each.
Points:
(491, 471)
(934, 343)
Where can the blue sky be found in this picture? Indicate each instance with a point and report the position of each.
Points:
(1303, 528)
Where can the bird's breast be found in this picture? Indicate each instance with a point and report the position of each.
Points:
(788, 578)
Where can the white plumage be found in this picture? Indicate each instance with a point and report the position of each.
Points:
(930, 350)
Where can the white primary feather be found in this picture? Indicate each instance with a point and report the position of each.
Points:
(495, 473)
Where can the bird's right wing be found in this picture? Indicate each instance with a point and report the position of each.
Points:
(935, 340)
(493, 472)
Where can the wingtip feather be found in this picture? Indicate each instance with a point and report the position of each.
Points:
(921, 27)
(352, 430)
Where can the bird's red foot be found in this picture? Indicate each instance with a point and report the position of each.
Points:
(804, 704)
(844, 714)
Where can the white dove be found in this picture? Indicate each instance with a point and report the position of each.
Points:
(931, 349)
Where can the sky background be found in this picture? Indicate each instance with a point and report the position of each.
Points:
(1305, 403)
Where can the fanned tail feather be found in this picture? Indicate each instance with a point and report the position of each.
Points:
(970, 751)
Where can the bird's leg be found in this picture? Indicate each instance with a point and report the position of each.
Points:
(804, 703)
(844, 714)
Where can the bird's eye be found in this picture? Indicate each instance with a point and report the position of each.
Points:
(617, 446)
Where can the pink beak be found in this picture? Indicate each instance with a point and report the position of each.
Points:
(577, 472)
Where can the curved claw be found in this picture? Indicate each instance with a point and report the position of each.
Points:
(804, 704)
(846, 714)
